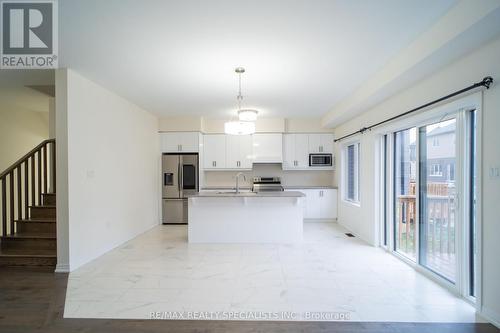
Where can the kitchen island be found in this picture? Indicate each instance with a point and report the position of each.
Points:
(245, 217)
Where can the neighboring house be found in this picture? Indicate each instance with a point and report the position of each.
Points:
(441, 154)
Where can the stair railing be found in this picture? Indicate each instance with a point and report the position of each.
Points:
(23, 184)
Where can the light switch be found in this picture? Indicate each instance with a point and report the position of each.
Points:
(495, 172)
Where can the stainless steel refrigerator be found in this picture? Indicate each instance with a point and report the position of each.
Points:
(179, 179)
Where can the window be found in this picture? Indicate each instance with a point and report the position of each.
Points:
(436, 170)
(351, 174)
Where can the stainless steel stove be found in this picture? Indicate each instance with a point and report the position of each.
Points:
(266, 184)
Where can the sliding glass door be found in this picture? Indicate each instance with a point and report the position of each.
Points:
(437, 198)
(404, 192)
(428, 169)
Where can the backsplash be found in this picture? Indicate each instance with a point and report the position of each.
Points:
(288, 178)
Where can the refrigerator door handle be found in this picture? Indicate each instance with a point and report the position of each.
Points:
(181, 178)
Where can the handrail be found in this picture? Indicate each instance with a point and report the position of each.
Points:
(24, 184)
(25, 157)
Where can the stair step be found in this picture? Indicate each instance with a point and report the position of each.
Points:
(38, 220)
(27, 258)
(29, 241)
(30, 235)
(36, 226)
(43, 211)
(49, 198)
(25, 252)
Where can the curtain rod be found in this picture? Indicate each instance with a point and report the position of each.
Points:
(486, 82)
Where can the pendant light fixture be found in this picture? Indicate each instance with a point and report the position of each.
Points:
(247, 117)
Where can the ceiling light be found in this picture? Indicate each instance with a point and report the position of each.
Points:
(246, 123)
(248, 115)
(239, 127)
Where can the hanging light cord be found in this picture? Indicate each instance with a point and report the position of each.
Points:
(240, 97)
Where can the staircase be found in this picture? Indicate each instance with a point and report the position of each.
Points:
(28, 209)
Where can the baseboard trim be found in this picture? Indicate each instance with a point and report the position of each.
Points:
(62, 268)
(320, 220)
(490, 316)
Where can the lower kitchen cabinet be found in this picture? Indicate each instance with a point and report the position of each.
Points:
(319, 203)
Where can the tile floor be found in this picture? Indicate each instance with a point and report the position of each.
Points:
(328, 275)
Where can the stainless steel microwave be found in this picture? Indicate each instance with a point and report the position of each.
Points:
(320, 160)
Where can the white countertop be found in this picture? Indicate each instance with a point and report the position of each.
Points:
(310, 187)
(243, 188)
(230, 194)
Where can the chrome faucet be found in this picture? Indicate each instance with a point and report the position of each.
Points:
(237, 179)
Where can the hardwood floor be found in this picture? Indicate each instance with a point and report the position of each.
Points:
(32, 300)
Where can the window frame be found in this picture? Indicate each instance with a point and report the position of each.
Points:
(357, 172)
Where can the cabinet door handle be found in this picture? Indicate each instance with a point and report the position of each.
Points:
(213, 163)
(181, 147)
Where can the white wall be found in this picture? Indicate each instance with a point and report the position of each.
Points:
(113, 167)
(288, 177)
(180, 123)
(212, 125)
(467, 70)
(20, 131)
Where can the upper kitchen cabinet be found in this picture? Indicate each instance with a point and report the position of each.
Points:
(321, 143)
(296, 151)
(180, 142)
(268, 148)
(239, 152)
(214, 151)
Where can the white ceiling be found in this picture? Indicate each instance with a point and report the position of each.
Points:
(178, 57)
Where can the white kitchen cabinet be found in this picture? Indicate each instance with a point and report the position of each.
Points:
(321, 143)
(214, 151)
(320, 203)
(175, 142)
(239, 151)
(313, 204)
(267, 148)
(296, 151)
(328, 209)
(190, 142)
